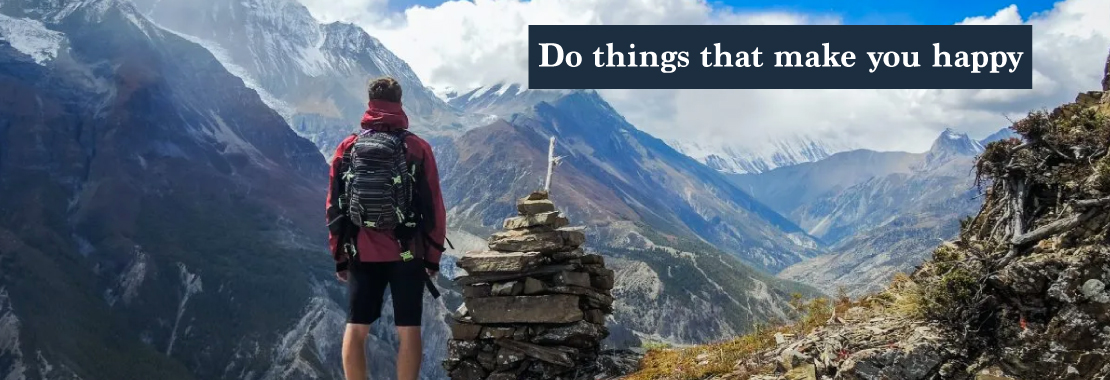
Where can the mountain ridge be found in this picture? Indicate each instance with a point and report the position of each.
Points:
(163, 198)
(883, 220)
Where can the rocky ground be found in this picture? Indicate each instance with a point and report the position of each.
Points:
(1020, 294)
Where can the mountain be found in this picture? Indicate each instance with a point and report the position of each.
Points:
(680, 234)
(952, 144)
(661, 217)
(1002, 134)
(315, 73)
(760, 156)
(898, 208)
(159, 220)
(787, 188)
(1019, 293)
(616, 174)
(502, 99)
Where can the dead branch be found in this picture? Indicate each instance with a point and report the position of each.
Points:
(1056, 227)
(1092, 202)
(1017, 201)
(1021, 146)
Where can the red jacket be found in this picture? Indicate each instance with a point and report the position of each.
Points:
(382, 246)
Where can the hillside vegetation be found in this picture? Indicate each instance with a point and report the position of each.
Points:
(1020, 294)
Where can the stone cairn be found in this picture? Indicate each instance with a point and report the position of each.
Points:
(534, 305)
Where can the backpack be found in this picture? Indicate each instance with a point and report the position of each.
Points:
(379, 182)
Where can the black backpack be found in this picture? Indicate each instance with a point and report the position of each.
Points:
(379, 182)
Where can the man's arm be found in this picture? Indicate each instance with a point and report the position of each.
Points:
(335, 217)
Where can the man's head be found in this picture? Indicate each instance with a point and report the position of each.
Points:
(385, 88)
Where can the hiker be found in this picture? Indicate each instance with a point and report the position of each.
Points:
(387, 227)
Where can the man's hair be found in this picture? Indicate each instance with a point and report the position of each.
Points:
(385, 88)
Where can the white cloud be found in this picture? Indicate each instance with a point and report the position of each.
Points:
(463, 44)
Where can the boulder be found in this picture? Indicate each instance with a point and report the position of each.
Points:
(603, 282)
(572, 278)
(563, 256)
(465, 331)
(533, 207)
(508, 358)
(546, 219)
(560, 356)
(557, 308)
(496, 332)
(468, 370)
(595, 316)
(791, 358)
(511, 288)
(498, 277)
(488, 360)
(581, 334)
(462, 349)
(527, 240)
(534, 286)
(593, 298)
(593, 259)
(573, 237)
(496, 262)
(802, 372)
(502, 376)
(477, 291)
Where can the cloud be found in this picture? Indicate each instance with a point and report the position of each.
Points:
(464, 44)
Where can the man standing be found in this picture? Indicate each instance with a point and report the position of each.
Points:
(387, 227)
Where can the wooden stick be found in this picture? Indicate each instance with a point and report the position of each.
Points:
(550, 165)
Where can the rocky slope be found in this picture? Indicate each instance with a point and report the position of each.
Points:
(1019, 294)
(153, 195)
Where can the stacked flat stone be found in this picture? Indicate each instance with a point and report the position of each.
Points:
(534, 304)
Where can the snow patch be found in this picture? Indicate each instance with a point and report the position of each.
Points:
(31, 37)
(191, 285)
(758, 156)
(128, 283)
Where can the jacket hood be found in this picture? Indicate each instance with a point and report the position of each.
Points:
(384, 116)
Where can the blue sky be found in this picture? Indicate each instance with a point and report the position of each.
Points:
(929, 12)
(893, 12)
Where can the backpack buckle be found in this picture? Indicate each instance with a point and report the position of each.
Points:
(406, 256)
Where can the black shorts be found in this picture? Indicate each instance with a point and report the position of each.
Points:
(366, 285)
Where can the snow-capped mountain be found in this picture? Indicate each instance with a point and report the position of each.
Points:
(749, 158)
(950, 144)
(314, 73)
(502, 99)
(157, 214)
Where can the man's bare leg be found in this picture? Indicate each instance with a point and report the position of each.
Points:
(410, 354)
(354, 351)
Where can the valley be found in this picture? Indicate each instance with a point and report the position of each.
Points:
(163, 166)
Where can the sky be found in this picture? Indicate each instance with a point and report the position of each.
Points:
(467, 44)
